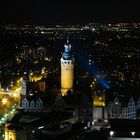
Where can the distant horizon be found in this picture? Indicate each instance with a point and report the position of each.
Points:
(68, 23)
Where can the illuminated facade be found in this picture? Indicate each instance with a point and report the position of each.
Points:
(99, 107)
(34, 77)
(9, 134)
(67, 70)
(99, 100)
(13, 134)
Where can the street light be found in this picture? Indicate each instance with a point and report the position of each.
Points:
(111, 133)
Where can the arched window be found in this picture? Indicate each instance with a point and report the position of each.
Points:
(25, 103)
(32, 103)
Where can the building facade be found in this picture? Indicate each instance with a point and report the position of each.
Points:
(31, 100)
(121, 110)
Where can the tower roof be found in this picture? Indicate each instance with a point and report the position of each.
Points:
(67, 52)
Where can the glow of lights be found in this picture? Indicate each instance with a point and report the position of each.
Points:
(105, 121)
(13, 109)
(93, 29)
(99, 101)
(25, 72)
(18, 89)
(133, 133)
(42, 32)
(47, 59)
(5, 115)
(116, 103)
(2, 119)
(31, 73)
(42, 72)
(41, 127)
(4, 101)
(12, 112)
(7, 89)
(100, 98)
(94, 120)
(15, 95)
(111, 133)
(85, 127)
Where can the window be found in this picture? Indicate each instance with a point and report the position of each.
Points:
(24, 104)
(37, 104)
(32, 103)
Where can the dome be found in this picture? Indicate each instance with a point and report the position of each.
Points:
(67, 52)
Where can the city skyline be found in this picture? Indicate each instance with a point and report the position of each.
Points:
(97, 68)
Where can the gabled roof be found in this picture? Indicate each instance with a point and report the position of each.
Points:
(34, 96)
(131, 101)
(125, 100)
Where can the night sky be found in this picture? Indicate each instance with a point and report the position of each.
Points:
(52, 12)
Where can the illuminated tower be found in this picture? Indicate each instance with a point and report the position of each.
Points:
(24, 84)
(67, 70)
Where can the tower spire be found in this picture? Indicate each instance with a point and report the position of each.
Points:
(67, 40)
